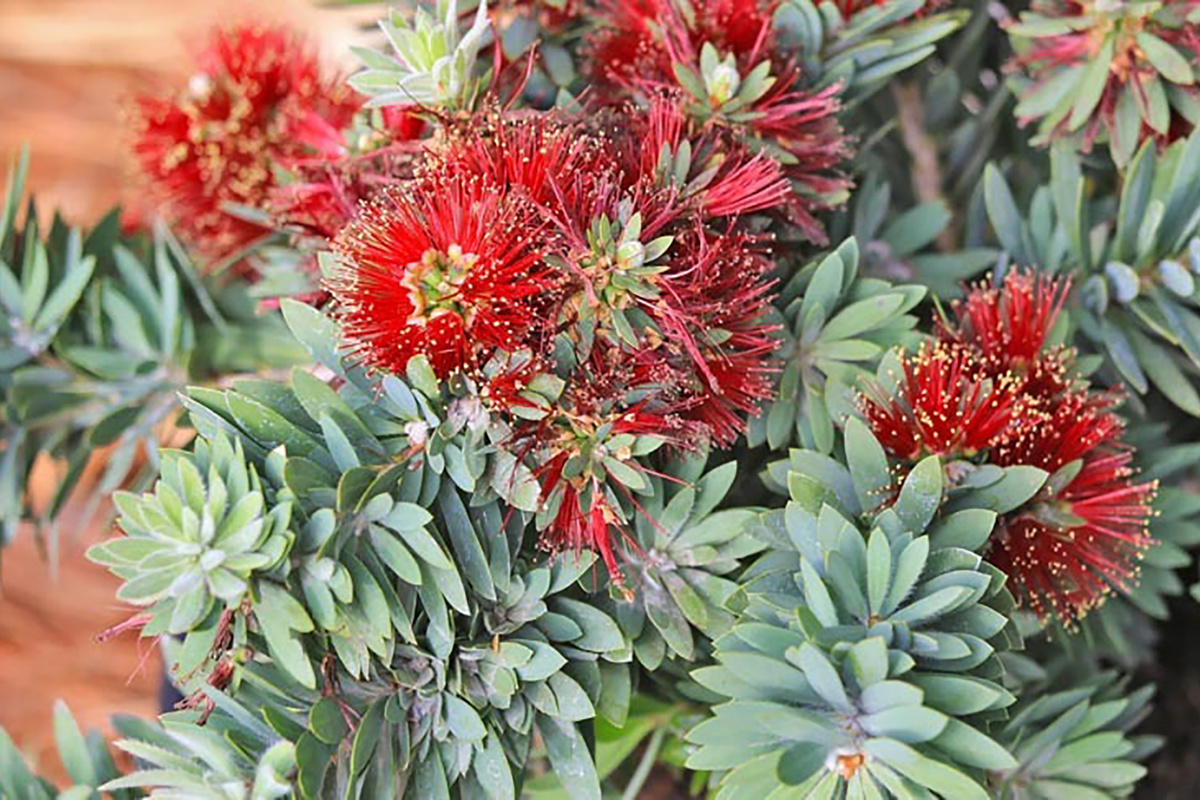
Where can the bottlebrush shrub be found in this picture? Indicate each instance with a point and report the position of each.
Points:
(498, 533)
(385, 604)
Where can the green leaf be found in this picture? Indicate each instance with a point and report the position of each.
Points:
(861, 316)
(1094, 80)
(326, 722)
(395, 555)
(570, 758)
(971, 748)
(821, 676)
(422, 377)
(943, 779)
(969, 529)
(315, 331)
(868, 660)
(600, 633)
(868, 465)
(471, 559)
(1166, 375)
(278, 615)
(1002, 211)
(464, 721)
(1169, 62)
(879, 569)
(920, 495)
(1013, 490)
(72, 747)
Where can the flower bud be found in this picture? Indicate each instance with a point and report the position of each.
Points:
(1176, 278)
(723, 82)
(1124, 281)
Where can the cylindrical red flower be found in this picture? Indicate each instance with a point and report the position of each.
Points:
(257, 101)
(451, 270)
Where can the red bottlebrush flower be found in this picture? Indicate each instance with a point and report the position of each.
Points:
(257, 100)
(717, 294)
(1008, 327)
(723, 178)
(644, 47)
(805, 127)
(449, 270)
(1054, 39)
(625, 46)
(991, 391)
(403, 123)
(576, 527)
(943, 406)
(550, 157)
(325, 194)
(1069, 548)
(1008, 323)
(628, 47)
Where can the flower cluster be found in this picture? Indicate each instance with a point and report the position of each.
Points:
(991, 389)
(723, 58)
(590, 273)
(1117, 71)
(257, 102)
(591, 276)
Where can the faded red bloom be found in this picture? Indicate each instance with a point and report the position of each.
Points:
(942, 406)
(723, 178)
(448, 270)
(579, 524)
(258, 100)
(718, 294)
(1056, 38)
(1071, 546)
(325, 194)
(804, 126)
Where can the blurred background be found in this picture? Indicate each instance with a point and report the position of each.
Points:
(68, 71)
